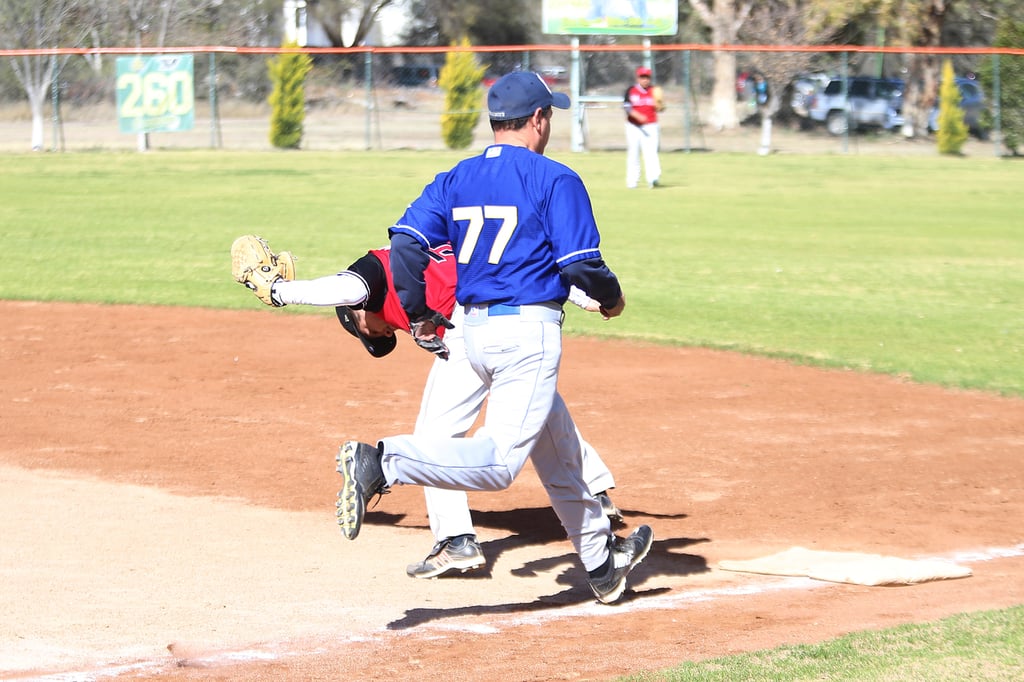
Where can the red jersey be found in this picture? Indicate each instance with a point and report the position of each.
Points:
(440, 279)
(641, 100)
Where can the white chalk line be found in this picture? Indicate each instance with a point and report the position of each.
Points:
(673, 600)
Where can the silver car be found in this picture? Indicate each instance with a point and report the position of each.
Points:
(860, 102)
(802, 92)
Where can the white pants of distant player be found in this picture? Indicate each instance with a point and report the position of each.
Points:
(517, 358)
(642, 141)
(451, 402)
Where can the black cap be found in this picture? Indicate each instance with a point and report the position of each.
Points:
(377, 346)
(371, 270)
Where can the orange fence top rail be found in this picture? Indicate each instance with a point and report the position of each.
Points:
(225, 49)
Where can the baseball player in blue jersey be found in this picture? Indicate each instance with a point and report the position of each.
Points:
(523, 230)
(368, 308)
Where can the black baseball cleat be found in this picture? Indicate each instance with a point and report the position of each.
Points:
(625, 555)
(362, 478)
(462, 553)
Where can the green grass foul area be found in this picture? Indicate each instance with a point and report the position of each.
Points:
(899, 265)
(987, 645)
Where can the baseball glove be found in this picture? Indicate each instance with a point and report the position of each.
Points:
(257, 267)
(659, 97)
(424, 333)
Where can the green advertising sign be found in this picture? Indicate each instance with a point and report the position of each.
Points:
(155, 94)
(611, 17)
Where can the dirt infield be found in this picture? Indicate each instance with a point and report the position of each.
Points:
(168, 482)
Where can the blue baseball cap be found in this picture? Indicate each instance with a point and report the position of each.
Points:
(521, 93)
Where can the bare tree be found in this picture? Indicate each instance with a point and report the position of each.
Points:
(777, 22)
(35, 24)
(724, 18)
(331, 13)
(153, 23)
(781, 22)
(484, 22)
(923, 73)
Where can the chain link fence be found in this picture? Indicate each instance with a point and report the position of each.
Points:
(389, 99)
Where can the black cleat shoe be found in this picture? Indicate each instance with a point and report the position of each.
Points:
(462, 553)
(625, 555)
(362, 478)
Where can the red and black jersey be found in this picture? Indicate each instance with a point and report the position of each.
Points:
(641, 101)
(440, 279)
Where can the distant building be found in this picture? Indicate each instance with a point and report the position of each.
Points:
(303, 29)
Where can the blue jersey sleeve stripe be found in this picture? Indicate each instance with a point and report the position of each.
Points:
(413, 232)
(583, 254)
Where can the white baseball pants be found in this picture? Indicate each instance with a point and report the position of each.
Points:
(642, 141)
(451, 401)
(516, 357)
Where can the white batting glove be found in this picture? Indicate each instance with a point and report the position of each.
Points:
(580, 298)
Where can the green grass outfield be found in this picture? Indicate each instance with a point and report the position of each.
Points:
(907, 266)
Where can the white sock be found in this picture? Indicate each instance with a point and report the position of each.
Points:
(344, 288)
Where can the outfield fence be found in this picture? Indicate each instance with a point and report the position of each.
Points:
(388, 98)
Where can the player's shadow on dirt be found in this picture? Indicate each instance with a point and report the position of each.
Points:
(383, 518)
(664, 559)
(542, 524)
(531, 524)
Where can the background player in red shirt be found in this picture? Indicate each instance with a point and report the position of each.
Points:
(642, 103)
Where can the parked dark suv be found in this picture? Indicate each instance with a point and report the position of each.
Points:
(868, 102)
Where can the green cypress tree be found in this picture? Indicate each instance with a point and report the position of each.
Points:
(1009, 33)
(288, 73)
(460, 79)
(952, 130)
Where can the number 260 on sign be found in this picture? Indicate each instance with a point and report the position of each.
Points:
(155, 94)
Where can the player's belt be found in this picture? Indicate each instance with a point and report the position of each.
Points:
(545, 312)
(502, 309)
